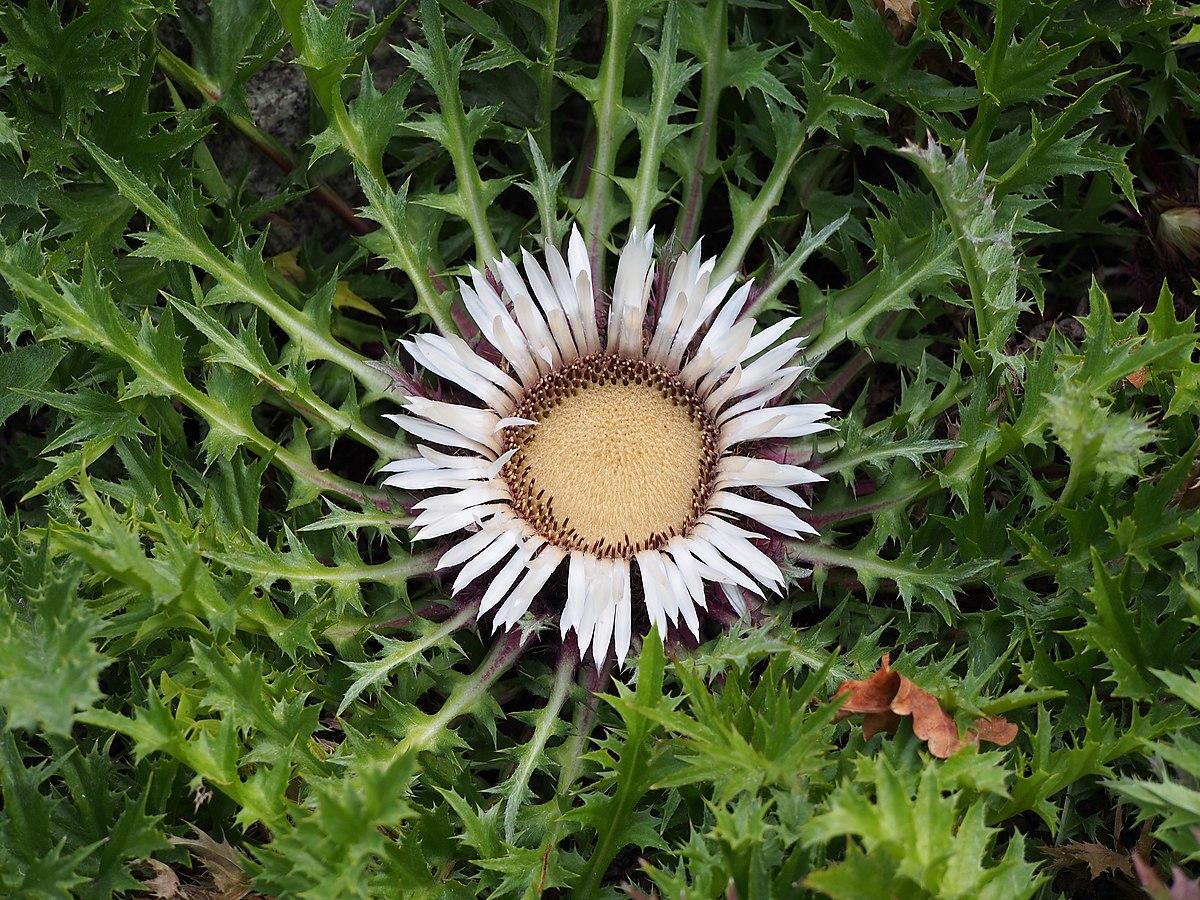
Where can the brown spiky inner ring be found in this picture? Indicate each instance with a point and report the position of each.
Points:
(622, 457)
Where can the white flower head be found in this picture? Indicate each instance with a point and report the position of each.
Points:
(604, 445)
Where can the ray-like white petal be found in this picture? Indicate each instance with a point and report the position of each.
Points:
(440, 434)
(735, 598)
(593, 600)
(714, 360)
(775, 422)
(723, 568)
(769, 337)
(697, 314)
(428, 479)
(747, 471)
(518, 601)
(470, 547)
(613, 587)
(688, 284)
(768, 366)
(477, 364)
(439, 357)
(688, 568)
(470, 421)
(474, 495)
(785, 495)
(685, 602)
(506, 539)
(431, 525)
(623, 619)
(655, 588)
(509, 573)
(727, 316)
(577, 588)
(497, 326)
(631, 291)
(557, 317)
(432, 468)
(579, 265)
(719, 395)
(529, 317)
(735, 545)
(774, 387)
(777, 518)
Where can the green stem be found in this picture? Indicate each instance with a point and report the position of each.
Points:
(630, 777)
(607, 113)
(465, 696)
(712, 83)
(398, 568)
(462, 154)
(760, 209)
(456, 140)
(290, 397)
(584, 722)
(789, 269)
(859, 305)
(531, 754)
(652, 146)
(294, 323)
(970, 263)
(547, 80)
(981, 129)
(401, 253)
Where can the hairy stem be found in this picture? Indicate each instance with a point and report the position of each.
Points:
(646, 184)
(546, 79)
(712, 83)
(568, 661)
(466, 694)
(609, 131)
(765, 201)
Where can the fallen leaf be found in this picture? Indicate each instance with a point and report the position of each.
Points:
(165, 884)
(1098, 858)
(900, 16)
(1138, 378)
(221, 861)
(993, 729)
(887, 697)
(904, 10)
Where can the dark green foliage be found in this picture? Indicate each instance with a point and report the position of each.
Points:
(223, 663)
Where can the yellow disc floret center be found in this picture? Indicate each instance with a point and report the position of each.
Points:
(620, 460)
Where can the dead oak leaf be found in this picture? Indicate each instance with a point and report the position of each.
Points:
(887, 697)
(900, 16)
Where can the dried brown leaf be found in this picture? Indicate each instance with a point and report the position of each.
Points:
(887, 697)
(1137, 379)
(1098, 858)
(900, 16)
(221, 861)
(165, 884)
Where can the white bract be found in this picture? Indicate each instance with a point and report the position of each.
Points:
(604, 445)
